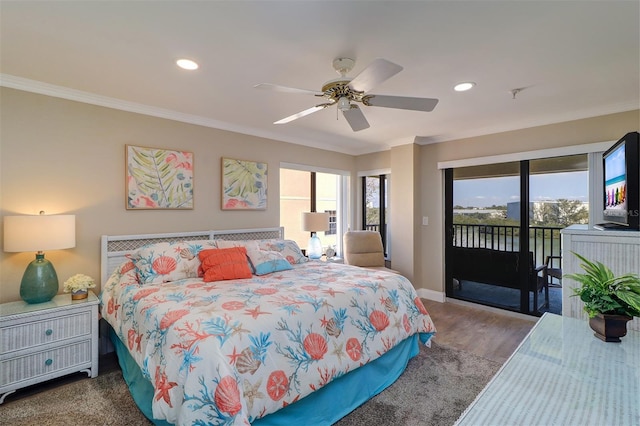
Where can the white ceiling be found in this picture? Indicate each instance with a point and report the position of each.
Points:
(574, 59)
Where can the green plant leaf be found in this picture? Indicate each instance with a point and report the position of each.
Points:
(603, 292)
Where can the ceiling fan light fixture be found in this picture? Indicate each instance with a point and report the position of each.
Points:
(343, 104)
(464, 86)
(187, 64)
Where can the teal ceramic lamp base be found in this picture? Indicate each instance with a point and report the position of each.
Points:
(314, 251)
(39, 282)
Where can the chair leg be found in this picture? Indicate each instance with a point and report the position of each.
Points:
(546, 295)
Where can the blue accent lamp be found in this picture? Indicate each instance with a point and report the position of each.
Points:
(315, 222)
(38, 233)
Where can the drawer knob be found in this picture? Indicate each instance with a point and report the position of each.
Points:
(49, 332)
(48, 362)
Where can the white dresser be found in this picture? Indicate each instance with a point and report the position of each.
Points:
(43, 341)
(619, 250)
(561, 374)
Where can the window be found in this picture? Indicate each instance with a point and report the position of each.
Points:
(560, 191)
(304, 191)
(333, 222)
(374, 205)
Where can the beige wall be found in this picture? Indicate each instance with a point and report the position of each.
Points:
(403, 195)
(67, 157)
(598, 129)
(374, 161)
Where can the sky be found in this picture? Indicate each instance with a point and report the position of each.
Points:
(500, 191)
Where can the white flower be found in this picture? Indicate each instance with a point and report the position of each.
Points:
(78, 282)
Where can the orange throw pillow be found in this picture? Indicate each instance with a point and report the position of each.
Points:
(224, 264)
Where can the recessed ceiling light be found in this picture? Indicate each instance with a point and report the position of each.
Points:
(461, 87)
(187, 64)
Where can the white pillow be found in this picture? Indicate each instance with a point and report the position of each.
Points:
(261, 261)
(165, 262)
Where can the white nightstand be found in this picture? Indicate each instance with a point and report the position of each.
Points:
(46, 340)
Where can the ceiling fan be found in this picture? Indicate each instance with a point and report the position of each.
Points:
(344, 91)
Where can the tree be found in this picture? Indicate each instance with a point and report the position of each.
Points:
(562, 213)
(372, 201)
(571, 211)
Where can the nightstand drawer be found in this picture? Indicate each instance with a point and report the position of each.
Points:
(44, 363)
(48, 330)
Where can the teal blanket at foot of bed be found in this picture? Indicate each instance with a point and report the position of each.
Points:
(323, 407)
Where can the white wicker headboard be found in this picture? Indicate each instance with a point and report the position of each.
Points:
(115, 248)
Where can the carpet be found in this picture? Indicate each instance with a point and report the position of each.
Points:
(438, 384)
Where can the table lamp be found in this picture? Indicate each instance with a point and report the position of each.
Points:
(38, 233)
(315, 222)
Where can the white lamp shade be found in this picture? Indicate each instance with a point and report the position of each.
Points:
(39, 232)
(315, 222)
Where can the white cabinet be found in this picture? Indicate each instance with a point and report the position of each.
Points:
(47, 340)
(619, 250)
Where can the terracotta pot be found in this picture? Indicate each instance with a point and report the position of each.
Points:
(609, 328)
(79, 295)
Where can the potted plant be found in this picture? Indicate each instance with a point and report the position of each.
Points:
(78, 285)
(609, 301)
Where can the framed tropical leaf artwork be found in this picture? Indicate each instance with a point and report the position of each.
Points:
(244, 185)
(158, 178)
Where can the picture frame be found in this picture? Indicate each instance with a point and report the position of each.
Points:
(158, 178)
(244, 184)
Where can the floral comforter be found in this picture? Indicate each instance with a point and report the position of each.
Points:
(229, 352)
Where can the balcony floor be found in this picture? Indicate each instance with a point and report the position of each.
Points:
(506, 298)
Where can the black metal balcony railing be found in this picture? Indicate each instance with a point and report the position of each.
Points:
(543, 241)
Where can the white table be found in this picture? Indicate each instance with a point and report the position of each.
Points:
(561, 374)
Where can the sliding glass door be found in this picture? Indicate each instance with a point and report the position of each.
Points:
(487, 221)
(503, 226)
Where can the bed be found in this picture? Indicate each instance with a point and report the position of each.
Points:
(293, 342)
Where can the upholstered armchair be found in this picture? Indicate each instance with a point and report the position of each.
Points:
(364, 248)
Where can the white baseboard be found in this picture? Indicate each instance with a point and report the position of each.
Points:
(437, 296)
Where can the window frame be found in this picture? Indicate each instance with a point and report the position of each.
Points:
(386, 190)
(593, 150)
(342, 205)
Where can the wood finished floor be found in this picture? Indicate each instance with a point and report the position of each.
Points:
(488, 334)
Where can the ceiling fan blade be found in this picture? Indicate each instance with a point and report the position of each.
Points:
(377, 72)
(401, 102)
(356, 118)
(275, 87)
(302, 113)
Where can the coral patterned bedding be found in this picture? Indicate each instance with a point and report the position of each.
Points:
(230, 352)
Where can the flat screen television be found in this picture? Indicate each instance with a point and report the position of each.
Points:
(621, 173)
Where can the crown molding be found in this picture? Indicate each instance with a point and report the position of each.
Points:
(525, 124)
(34, 86)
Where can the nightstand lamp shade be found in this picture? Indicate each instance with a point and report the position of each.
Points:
(315, 222)
(38, 233)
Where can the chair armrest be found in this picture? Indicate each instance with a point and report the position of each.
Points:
(548, 259)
